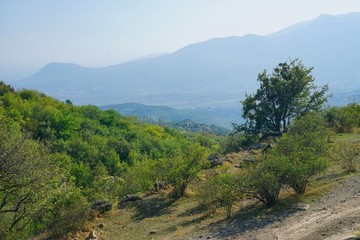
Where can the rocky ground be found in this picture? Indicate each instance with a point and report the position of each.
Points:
(334, 216)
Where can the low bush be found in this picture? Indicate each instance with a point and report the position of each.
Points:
(221, 190)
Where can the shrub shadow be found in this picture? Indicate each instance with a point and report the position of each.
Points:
(250, 218)
(198, 209)
(152, 207)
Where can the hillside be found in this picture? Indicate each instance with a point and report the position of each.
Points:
(332, 216)
(67, 170)
(330, 210)
(222, 117)
(214, 72)
(58, 159)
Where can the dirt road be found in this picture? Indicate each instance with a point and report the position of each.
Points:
(335, 216)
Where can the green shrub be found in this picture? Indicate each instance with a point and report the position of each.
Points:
(347, 155)
(70, 212)
(304, 149)
(183, 169)
(265, 178)
(343, 119)
(221, 190)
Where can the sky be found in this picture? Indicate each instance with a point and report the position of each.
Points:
(96, 33)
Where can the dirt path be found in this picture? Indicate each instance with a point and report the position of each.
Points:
(334, 216)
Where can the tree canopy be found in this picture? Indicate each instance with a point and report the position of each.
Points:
(287, 92)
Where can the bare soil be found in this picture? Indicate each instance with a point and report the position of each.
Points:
(334, 216)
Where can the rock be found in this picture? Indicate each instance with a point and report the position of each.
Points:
(301, 206)
(101, 225)
(267, 148)
(93, 235)
(250, 160)
(215, 160)
(257, 146)
(153, 231)
(102, 206)
(160, 185)
(130, 198)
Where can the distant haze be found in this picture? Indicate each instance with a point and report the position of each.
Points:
(96, 33)
(213, 73)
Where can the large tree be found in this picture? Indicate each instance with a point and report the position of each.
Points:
(287, 92)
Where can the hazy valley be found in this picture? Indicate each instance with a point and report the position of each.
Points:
(211, 77)
(233, 138)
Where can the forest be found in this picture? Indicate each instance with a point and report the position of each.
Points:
(58, 159)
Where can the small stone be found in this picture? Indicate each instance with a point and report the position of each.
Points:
(302, 206)
(93, 235)
(101, 225)
(153, 231)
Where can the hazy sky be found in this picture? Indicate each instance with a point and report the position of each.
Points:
(97, 33)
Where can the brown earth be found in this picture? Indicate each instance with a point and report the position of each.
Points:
(334, 216)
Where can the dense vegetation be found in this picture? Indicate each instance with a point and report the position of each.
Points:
(57, 158)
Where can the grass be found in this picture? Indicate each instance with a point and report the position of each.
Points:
(349, 137)
(177, 218)
(169, 218)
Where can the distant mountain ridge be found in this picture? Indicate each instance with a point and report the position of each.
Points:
(217, 71)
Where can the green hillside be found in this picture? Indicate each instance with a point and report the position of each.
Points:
(64, 157)
(66, 170)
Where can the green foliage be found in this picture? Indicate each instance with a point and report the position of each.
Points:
(140, 177)
(103, 186)
(236, 141)
(265, 179)
(101, 154)
(344, 119)
(298, 155)
(347, 155)
(4, 88)
(221, 190)
(304, 148)
(28, 178)
(183, 169)
(286, 93)
(69, 213)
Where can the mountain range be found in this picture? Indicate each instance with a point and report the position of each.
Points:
(216, 73)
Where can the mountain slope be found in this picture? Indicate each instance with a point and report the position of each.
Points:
(215, 71)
